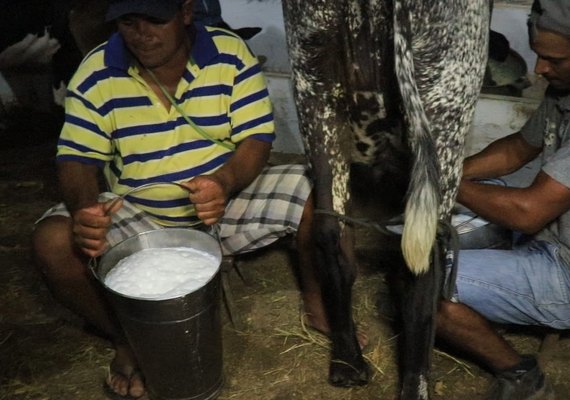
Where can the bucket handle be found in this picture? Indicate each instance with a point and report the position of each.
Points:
(142, 187)
(92, 264)
(93, 261)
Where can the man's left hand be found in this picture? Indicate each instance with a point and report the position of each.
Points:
(208, 195)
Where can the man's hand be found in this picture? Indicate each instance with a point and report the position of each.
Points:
(91, 224)
(210, 193)
(209, 196)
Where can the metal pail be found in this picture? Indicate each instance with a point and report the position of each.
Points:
(178, 341)
(477, 233)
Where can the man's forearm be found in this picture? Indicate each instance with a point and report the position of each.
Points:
(510, 207)
(244, 166)
(501, 157)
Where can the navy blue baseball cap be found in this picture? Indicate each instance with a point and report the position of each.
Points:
(161, 9)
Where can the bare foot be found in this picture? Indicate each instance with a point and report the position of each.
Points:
(124, 377)
(314, 316)
(314, 312)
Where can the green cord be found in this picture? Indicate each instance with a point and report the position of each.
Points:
(202, 132)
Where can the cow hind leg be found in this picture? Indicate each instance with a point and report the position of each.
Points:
(348, 367)
(418, 307)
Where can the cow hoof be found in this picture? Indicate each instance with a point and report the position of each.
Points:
(344, 374)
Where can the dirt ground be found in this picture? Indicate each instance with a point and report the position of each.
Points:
(47, 354)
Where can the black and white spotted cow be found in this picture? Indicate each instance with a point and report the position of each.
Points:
(391, 83)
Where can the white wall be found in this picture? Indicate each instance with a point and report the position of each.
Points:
(510, 20)
(495, 117)
(267, 14)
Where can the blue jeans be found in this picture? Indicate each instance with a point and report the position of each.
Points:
(529, 285)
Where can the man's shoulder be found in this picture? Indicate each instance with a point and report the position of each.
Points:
(93, 66)
(94, 60)
(226, 41)
(215, 31)
(211, 43)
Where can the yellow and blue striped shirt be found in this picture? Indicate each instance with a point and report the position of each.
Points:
(114, 120)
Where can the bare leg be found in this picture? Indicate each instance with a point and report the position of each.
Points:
(72, 284)
(310, 289)
(464, 328)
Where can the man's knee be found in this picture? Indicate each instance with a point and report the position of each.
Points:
(52, 240)
(447, 311)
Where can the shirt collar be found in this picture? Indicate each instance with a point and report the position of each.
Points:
(203, 49)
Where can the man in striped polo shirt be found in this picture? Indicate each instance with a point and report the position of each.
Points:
(167, 100)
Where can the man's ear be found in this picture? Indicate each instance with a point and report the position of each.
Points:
(187, 11)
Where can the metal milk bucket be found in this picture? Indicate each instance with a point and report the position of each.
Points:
(477, 233)
(178, 341)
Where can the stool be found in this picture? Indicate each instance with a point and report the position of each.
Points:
(230, 263)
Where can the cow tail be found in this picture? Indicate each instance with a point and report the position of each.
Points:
(423, 197)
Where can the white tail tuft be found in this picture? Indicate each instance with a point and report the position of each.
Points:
(420, 229)
(424, 198)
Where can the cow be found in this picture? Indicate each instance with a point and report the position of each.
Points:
(393, 84)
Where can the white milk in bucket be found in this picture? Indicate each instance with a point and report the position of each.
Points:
(162, 273)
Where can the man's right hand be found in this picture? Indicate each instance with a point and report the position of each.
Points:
(90, 227)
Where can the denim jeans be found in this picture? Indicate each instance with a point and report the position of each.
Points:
(529, 285)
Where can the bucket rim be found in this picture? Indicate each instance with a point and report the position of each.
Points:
(95, 263)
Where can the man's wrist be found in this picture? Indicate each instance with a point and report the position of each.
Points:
(226, 179)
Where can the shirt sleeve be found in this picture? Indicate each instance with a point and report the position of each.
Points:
(85, 135)
(533, 129)
(251, 112)
(557, 166)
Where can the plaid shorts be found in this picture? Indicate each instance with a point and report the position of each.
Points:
(269, 208)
